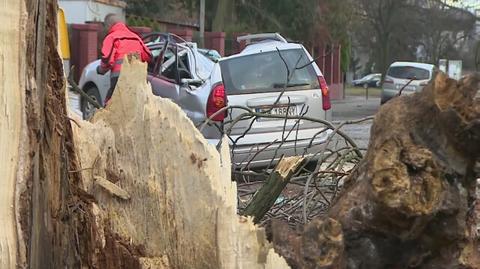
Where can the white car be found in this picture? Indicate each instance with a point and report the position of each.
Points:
(255, 78)
(409, 77)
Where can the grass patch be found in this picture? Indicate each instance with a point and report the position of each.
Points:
(359, 91)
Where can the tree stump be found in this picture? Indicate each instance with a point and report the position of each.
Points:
(409, 204)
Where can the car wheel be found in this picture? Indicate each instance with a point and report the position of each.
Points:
(88, 109)
(365, 86)
(383, 100)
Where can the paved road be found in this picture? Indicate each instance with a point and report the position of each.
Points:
(356, 108)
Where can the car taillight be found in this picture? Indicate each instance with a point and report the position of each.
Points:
(387, 80)
(325, 93)
(216, 101)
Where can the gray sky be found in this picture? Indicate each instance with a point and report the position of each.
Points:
(469, 4)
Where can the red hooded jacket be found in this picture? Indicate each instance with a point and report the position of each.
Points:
(119, 42)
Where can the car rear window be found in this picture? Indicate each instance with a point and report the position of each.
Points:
(408, 72)
(266, 72)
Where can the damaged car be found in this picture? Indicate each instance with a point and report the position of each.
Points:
(178, 71)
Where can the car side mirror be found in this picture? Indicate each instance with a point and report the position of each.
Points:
(191, 82)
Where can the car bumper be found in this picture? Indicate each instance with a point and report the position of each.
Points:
(266, 154)
(388, 94)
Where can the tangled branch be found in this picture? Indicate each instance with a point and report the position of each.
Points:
(330, 155)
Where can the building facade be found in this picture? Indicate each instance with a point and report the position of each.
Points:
(82, 11)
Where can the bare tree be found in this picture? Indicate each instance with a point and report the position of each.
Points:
(396, 28)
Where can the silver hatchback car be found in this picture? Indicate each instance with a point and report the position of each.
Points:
(410, 76)
(255, 78)
(178, 71)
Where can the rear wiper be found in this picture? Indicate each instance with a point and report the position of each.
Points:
(281, 85)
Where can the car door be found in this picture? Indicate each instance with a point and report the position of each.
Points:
(163, 78)
(193, 66)
(176, 64)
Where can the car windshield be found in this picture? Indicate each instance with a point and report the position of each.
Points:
(368, 77)
(264, 72)
(408, 72)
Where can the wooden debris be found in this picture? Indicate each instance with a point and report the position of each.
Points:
(111, 188)
(274, 185)
(179, 215)
(182, 202)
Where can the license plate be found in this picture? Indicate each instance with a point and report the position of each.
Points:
(278, 111)
(407, 88)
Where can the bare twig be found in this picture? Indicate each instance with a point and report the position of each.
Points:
(330, 156)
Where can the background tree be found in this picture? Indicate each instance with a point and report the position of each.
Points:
(396, 28)
(384, 27)
(150, 8)
(448, 28)
(309, 22)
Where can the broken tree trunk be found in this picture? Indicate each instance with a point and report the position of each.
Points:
(35, 140)
(10, 134)
(410, 202)
(138, 188)
(168, 197)
(263, 200)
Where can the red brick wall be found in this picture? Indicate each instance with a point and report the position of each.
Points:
(186, 34)
(238, 46)
(84, 46)
(328, 60)
(215, 41)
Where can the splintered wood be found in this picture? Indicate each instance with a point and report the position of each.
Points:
(264, 199)
(182, 206)
(137, 188)
(11, 102)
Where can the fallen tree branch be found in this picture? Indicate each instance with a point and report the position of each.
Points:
(266, 196)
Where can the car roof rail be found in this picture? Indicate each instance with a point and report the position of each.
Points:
(170, 37)
(249, 39)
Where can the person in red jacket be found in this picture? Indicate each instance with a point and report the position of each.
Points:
(119, 42)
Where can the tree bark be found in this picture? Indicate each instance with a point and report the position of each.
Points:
(137, 188)
(35, 140)
(410, 203)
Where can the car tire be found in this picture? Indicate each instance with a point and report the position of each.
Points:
(88, 110)
(383, 100)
